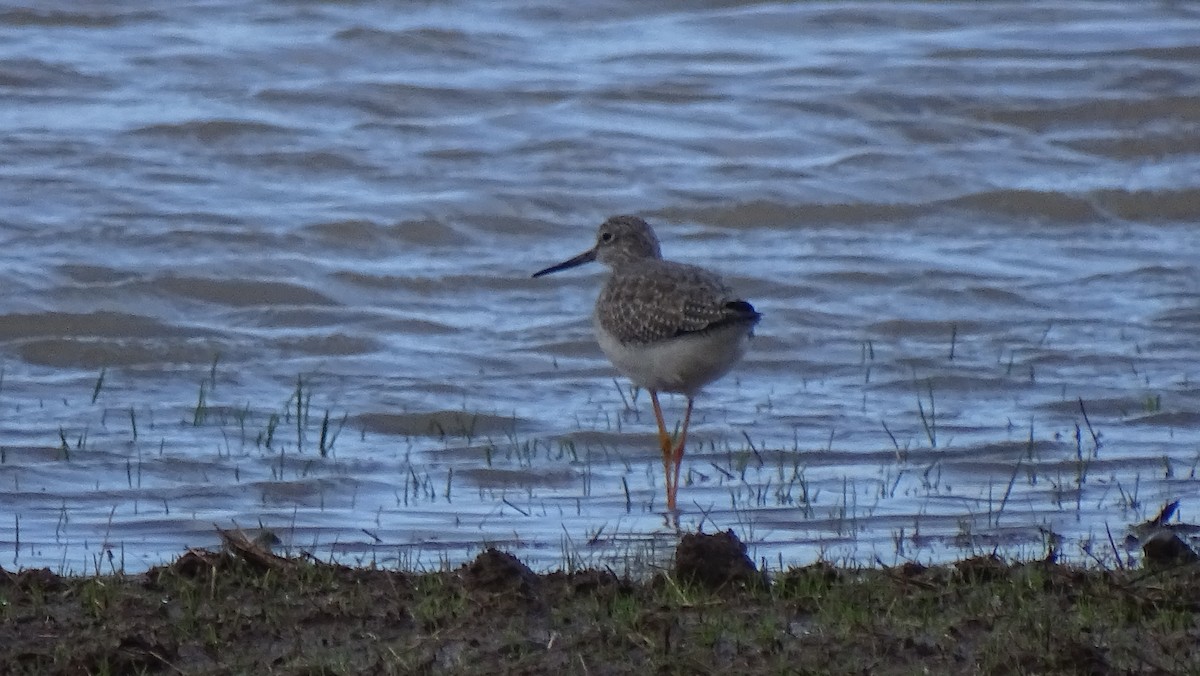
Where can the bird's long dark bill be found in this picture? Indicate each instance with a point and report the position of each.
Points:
(585, 257)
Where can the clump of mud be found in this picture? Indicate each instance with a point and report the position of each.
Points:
(716, 561)
(32, 578)
(1165, 549)
(500, 572)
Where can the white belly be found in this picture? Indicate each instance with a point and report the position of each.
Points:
(684, 364)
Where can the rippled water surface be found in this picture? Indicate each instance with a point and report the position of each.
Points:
(267, 265)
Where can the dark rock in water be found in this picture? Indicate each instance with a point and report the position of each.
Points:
(715, 561)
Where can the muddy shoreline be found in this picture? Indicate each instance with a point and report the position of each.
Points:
(246, 610)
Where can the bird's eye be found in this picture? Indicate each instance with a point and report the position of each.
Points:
(606, 237)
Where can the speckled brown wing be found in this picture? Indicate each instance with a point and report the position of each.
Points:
(657, 300)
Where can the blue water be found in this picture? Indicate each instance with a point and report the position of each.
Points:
(970, 230)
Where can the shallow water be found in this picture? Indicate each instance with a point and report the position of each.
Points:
(971, 232)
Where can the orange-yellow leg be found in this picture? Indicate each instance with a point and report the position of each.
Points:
(677, 455)
(664, 440)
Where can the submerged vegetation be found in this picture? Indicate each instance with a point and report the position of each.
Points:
(928, 491)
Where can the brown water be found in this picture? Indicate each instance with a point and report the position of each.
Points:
(960, 222)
